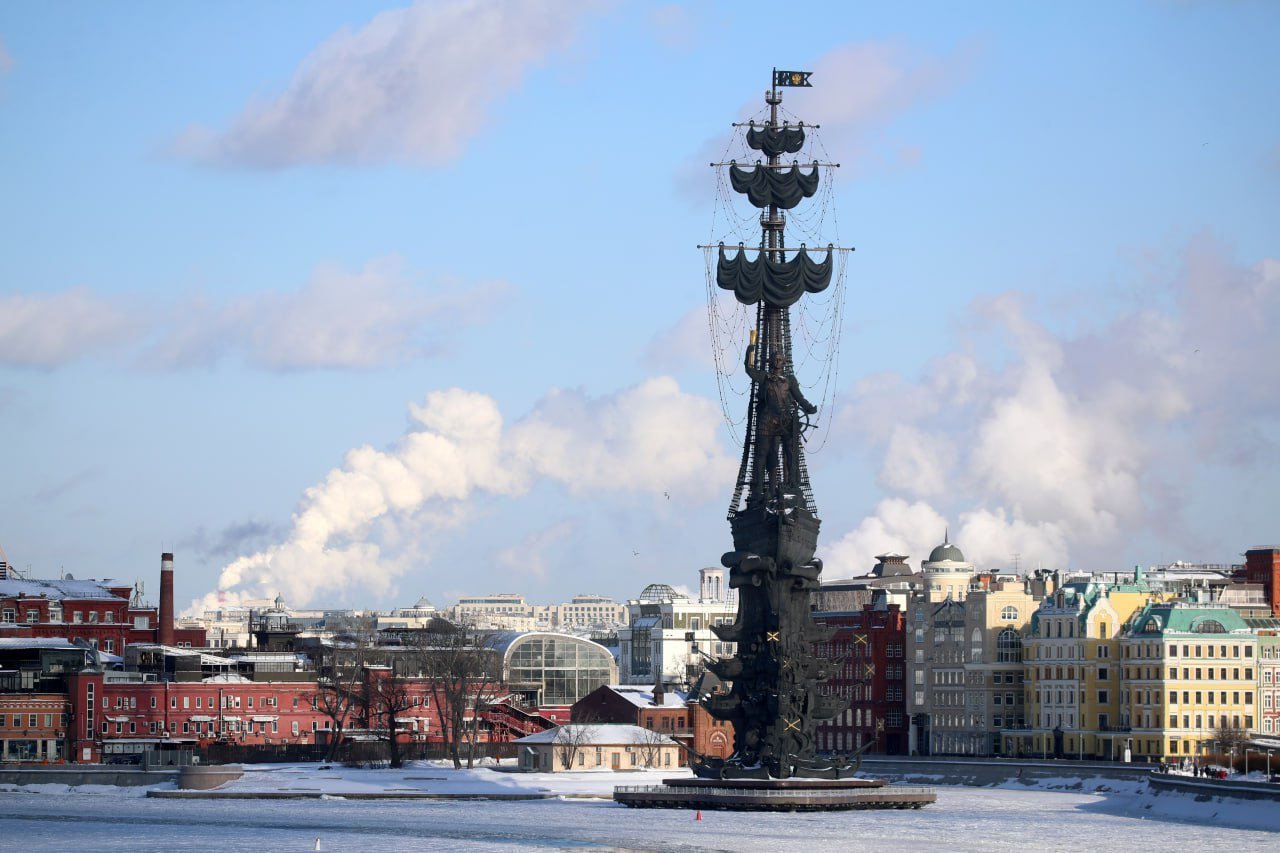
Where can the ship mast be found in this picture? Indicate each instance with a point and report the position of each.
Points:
(776, 698)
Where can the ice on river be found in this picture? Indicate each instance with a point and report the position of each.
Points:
(1009, 818)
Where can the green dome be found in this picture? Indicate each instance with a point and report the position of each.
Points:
(946, 551)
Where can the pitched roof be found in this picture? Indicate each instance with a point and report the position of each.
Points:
(642, 697)
(598, 734)
(56, 589)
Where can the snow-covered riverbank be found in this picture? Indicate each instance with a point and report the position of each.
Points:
(1067, 813)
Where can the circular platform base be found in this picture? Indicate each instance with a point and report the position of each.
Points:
(780, 795)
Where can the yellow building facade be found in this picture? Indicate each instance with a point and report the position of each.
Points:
(1074, 690)
(1190, 680)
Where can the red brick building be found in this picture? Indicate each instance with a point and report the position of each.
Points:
(1262, 566)
(105, 614)
(667, 712)
(870, 644)
(33, 726)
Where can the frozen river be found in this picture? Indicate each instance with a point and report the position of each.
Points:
(962, 819)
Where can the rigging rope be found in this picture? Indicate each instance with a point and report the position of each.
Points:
(819, 323)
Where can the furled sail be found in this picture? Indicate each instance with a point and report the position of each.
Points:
(763, 186)
(778, 283)
(774, 141)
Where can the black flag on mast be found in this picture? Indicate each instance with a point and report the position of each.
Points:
(792, 78)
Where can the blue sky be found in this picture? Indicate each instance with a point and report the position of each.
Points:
(359, 303)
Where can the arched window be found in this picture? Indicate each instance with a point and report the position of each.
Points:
(1208, 626)
(975, 645)
(1009, 614)
(1009, 646)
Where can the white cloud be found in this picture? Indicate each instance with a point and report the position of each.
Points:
(917, 462)
(1064, 448)
(651, 438)
(684, 346)
(993, 540)
(413, 85)
(375, 316)
(862, 86)
(911, 528)
(49, 329)
(530, 556)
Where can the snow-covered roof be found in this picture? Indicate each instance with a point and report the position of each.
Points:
(57, 643)
(226, 678)
(57, 589)
(267, 657)
(642, 697)
(172, 651)
(603, 734)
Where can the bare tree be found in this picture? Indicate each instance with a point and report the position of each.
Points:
(649, 746)
(1230, 737)
(389, 695)
(570, 740)
(340, 686)
(464, 673)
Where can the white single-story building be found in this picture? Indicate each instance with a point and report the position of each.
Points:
(597, 746)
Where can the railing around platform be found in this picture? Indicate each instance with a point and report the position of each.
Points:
(784, 793)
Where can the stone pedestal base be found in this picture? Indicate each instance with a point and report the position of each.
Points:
(779, 795)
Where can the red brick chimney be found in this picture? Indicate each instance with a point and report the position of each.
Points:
(1262, 566)
(165, 634)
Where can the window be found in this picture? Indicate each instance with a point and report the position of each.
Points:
(77, 617)
(1009, 614)
(33, 616)
(8, 615)
(1008, 646)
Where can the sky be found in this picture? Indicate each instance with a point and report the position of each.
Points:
(357, 303)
